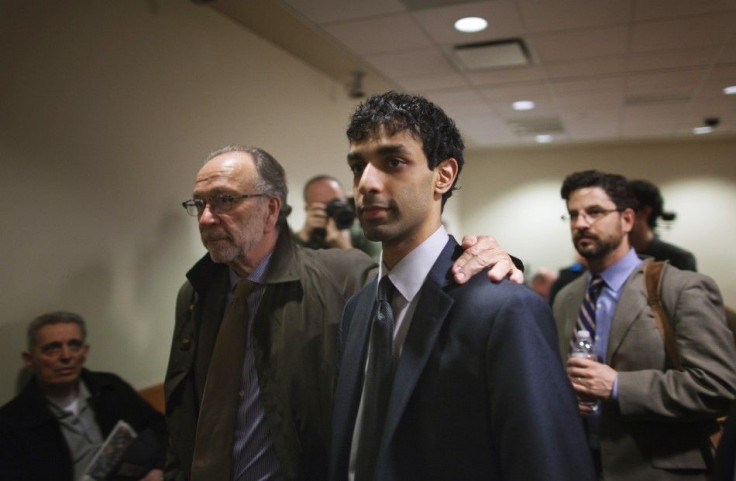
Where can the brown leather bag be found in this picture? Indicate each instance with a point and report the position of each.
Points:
(653, 282)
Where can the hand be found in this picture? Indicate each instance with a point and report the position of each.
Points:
(483, 251)
(591, 378)
(317, 219)
(154, 475)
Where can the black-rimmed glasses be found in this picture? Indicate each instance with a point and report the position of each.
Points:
(219, 204)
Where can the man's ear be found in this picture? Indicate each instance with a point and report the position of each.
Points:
(27, 360)
(446, 175)
(628, 216)
(272, 215)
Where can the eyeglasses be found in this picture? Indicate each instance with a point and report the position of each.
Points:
(219, 204)
(591, 216)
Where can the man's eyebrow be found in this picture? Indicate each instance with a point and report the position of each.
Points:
(391, 149)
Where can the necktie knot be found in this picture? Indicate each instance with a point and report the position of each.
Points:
(385, 290)
(595, 288)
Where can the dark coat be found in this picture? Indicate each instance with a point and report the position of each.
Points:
(479, 391)
(295, 348)
(32, 446)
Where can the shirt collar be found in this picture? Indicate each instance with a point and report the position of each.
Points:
(409, 274)
(258, 275)
(616, 275)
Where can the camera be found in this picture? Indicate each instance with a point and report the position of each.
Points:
(342, 212)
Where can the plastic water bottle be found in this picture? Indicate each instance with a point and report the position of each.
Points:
(584, 348)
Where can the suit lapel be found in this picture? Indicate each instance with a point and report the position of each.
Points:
(350, 381)
(433, 306)
(630, 304)
(569, 308)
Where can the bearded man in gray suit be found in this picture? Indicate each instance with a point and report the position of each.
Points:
(649, 420)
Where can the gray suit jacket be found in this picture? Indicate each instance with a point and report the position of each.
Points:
(659, 423)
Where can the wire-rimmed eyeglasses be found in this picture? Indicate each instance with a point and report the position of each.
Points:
(591, 216)
(219, 204)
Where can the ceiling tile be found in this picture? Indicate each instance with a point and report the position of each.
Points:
(546, 16)
(377, 35)
(322, 11)
(586, 68)
(653, 9)
(690, 77)
(701, 31)
(423, 83)
(411, 64)
(505, 75)
(599, 42)
(590, 100)
(673, 59)
(527, 91)
(612, 82)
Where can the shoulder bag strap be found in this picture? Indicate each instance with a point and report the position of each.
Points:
(653, 282)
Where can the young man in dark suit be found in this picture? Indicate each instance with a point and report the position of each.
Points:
(469, 386)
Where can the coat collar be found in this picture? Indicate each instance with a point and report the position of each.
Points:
(283, 267)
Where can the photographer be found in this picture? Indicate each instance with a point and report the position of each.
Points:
(330, 219)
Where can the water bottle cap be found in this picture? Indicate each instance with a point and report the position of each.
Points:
(583, 334)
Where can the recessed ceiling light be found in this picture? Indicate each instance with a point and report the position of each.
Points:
(730, 90)
(543, 139)
(702, 130)
(523, 105)
(471, 24)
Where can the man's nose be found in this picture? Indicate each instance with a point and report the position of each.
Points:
(369, 180)
(208, 217)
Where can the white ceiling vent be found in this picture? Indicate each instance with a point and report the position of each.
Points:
(488, 55)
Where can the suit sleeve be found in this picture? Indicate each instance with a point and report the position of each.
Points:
(533, 408)
(706, 380)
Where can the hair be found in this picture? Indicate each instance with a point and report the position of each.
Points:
(320, 178)
(56, 317)
(647, 195)
(396, 112)
(271, 175)
(616, 186)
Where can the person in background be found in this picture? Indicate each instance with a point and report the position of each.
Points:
(566, 275)
(55, 426)
(330, 219)
(440, 381)
(643, 236)
(253, 361)
(542, 282)
(647, 420)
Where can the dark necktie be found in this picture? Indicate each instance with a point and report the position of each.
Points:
(586, 315)
(213, 446)
(377, 383)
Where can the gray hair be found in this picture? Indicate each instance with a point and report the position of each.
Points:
(271, 175)
(56, 317)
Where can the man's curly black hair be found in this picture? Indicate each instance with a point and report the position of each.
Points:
(428, 123)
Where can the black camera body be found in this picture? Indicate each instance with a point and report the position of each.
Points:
(342, 212)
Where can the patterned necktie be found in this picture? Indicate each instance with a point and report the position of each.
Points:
(377, 384)
(213, 446)
(586, 315)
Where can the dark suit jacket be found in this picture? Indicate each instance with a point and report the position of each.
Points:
(726, 455)
(659, 422)
(479, 392)
(295, 348)
(32, 446)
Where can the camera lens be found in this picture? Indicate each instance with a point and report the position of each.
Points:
(342, 212)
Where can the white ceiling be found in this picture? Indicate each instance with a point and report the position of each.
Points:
(601, 70)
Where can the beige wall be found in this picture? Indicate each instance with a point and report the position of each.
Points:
(106, 112)
(107, 108)
(515, 194)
